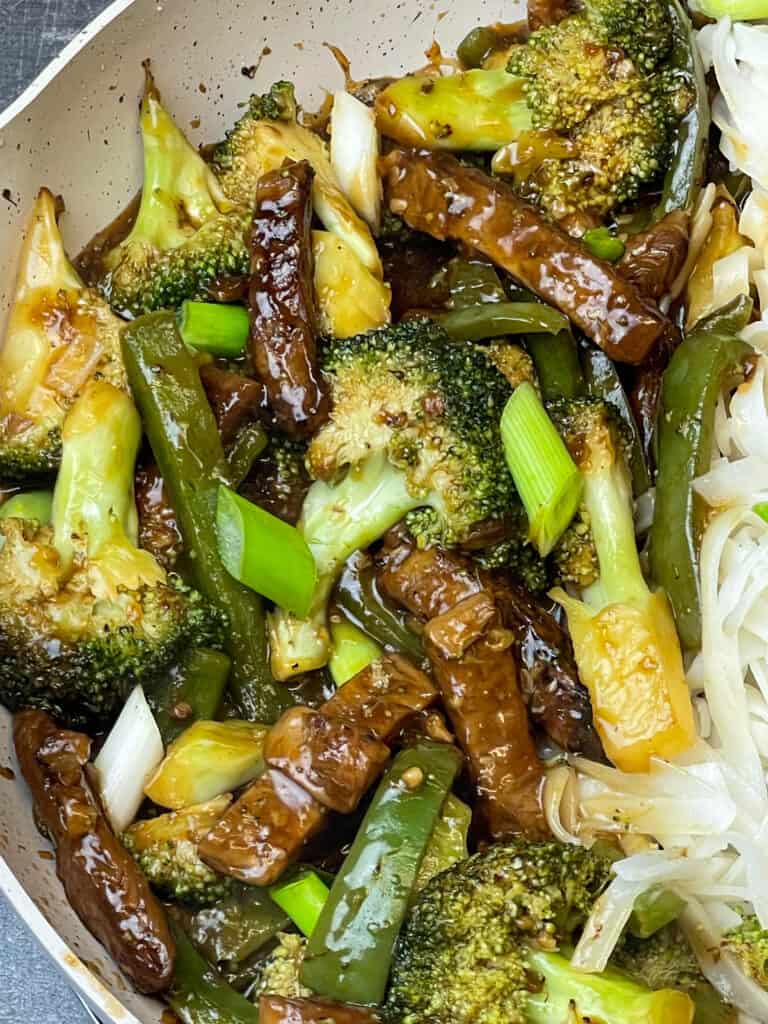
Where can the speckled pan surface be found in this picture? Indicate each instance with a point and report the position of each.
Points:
(75, 132)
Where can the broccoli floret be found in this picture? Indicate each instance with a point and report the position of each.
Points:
(59, 335)
(624, 637)
(187, 234)
(84, 613)
(415, 425)
(165, 848)
(749, 944)
(574, 558)
(480, 946)
(266, 135)
(279, 972)
(598, 78)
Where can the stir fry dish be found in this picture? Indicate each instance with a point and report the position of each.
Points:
(384, 538)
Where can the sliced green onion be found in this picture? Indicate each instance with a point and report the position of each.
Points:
(494, 319)
(264, 553)
(760, 509)
(352, 651)
(248, 446)
(654, 909)
(603, 244)
(545, 475)
(213, 327)
(35, 505)
(302, 898)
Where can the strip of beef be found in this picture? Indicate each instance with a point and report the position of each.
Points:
(383, 697)
(234, 399)
(317, 760)
(435, 193)
(335, 761)
(557, 700)
(102, 881)
(547, 12)
(653, 258)
(264, 831)
(159, 530)
(279, 1010)
(281, 300)
(432, 582)
(474, 663)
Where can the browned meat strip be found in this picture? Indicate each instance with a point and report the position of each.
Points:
(102, 881)
(426, 583)
(432, 582)
(318, 759)
(474, 664)
(335, 761)
(159, 531)
(281, 299)
(547, 12)
(557, 701)
(264, 831)
(383, 696)
(654, 258)
(235, 399)
(435, 193)
(279, 1010)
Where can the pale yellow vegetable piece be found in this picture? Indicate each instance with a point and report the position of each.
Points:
(350, 298)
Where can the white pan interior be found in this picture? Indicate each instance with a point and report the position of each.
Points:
(75, 132)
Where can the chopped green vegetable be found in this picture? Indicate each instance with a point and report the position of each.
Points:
(603, 244)
(448, 842)
(199, 994)
(545, 475)
(654, 909)
(495, 319)
(738, 10)
(351, 651)
(247, 447)
(213, 327)
(761, 509)
(302, 898)
(191, 692)
(182, 432)
(349, 954)
(34, 505)
(266, 554)
(557, 366)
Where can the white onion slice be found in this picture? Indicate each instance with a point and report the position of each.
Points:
(355, 154)
(127, 761)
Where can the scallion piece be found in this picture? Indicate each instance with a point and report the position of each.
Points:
(213, 327)
(603, 244)
(264, 553)
(35, 505)
(545, 475)
(352, 651)
(760, 509)
(302, 898)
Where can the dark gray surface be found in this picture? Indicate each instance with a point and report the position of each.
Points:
(33, 32)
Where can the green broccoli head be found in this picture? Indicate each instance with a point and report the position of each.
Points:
(165, 848)
(59, 335)
(749, 944)
(187, 235)
(480, 946)
(279, 973)
(414, 432)
(598, 76)
(84, 613)
(433, 408)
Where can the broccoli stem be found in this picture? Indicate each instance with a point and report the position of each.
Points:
(93, 497)
(337, 520)
(608, 499)
(610, 997)
(179, 188)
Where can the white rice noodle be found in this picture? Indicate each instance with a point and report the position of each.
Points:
(731, 276)
(737, 52)
(700, 228)
(753, 222)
